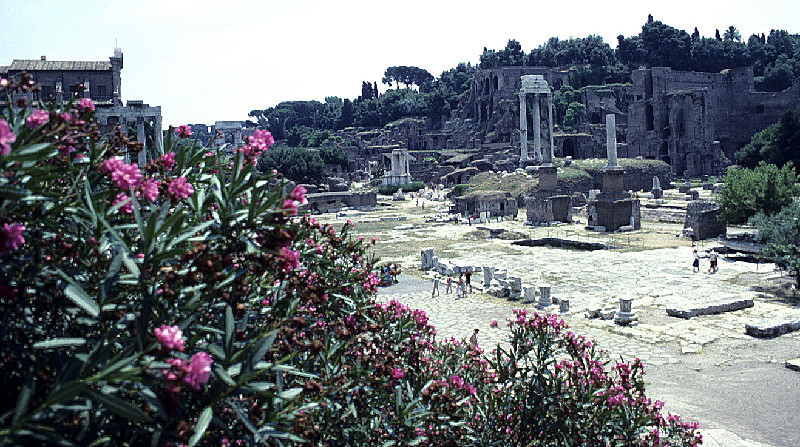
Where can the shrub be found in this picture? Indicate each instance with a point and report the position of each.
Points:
(388, 190)
(460, 189)
(412, 187)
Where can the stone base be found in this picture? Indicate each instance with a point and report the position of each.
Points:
(626, 318)
(773, 327)
(612, 180)
(689, 308)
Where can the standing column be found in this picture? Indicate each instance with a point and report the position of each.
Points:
(142, 138)
(123, 129)
(159, 136)
(537, 130)
(523, 130)
(611, 141)
(550, 118)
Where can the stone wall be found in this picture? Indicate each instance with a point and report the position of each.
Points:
(496, 203)
(702, 218)
(326, 202)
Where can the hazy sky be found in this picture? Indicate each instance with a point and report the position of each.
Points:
(204, 61)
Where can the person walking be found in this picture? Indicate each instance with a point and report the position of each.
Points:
(712, 261)
(696, 262)
(460, 287)
(449, 288)
(467, 276)
(435, 286)
(473, 340)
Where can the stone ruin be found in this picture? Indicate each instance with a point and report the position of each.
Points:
(613, 209)
(536, 85)
(399, 174)
(702, 218)
(493, 203)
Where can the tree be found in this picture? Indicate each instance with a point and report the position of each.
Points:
(407, 75)
(778, 144)
(574, 115)
(334, 155)
(732, 34)
(781, 235)
(512, 55)
(765, 189)
(296, 164)
(346, 117)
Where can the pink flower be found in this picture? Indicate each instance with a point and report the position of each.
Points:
(180, 188)
(494, 323)
(150, 189)
(199, 369)
(184, 131)
(170, 337)
(126, 208)
(298, 194)
(85, 104)
(6, 137)
(111, 165)
(12, 237)
(289, 258)
(127, 176)
(168, 160)
(261, 140)
(37, 118)
(398, 373)
(290, 206)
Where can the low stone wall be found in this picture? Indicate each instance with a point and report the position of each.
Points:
(326, 202)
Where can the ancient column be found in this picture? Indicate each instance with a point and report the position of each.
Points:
(537, 130)
(142, 138)
(123, 129)
(611, 141)
(550, 119)
(523, 130)
(544, 295)
(159, 136)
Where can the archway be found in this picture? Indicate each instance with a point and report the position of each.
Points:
(569, 147)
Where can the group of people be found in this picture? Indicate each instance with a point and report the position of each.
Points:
(462, 285)
(713, 258)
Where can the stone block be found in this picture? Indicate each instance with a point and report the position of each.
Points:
(692, 308)
(793, 364)
(530, 294)
(773, 327)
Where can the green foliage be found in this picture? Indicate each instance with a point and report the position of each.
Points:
(781, 234)
(778, 144)
(765, 189)
(562, 99)
(413, 186)
(574, 115)
(388, 190)
(296, 164)
(334, 155)
(407, 75)
(460, 189)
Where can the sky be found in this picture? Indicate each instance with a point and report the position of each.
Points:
(204, 61)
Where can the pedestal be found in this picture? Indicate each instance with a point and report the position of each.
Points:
(625, 315)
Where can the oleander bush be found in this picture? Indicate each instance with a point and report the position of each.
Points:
(185, 302)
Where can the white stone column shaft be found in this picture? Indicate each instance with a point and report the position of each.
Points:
(142, 138)
(537, 129)
(523, 129)
(159, 136)
(550, 119)
(611, 140)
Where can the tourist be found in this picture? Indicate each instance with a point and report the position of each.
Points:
(712, 261)
(435, 286)
(460, 287)
(696, 262)
(449, 288)
(467, 276)
(473, 341)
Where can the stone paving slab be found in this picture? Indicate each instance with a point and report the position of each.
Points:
(693, 308)
(793, 364)
(717, 437)
(772, 327)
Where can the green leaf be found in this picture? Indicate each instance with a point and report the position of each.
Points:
(229, 332)
(75, 293)
(59, 343)
(200, 427)
(24, 397)
(118, 406)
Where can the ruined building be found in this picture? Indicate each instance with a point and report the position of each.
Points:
(102, 82)
(690, 119)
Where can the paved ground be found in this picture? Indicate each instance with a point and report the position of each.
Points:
(705, 369)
